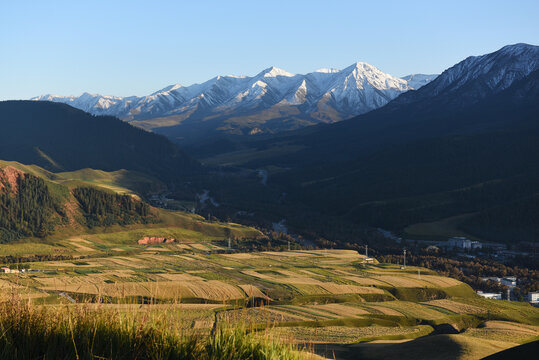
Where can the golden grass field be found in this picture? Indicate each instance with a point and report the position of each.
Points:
(339, 334)
(304, 297)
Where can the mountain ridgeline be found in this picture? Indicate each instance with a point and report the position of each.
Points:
(273, 100)
(59, 137)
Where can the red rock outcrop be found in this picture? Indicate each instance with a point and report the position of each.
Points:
(10, 175)
(155, 240)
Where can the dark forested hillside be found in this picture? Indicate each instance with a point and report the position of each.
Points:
(59, 137)
(104, 209)
(27, 208)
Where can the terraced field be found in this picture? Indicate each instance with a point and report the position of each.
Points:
(304, 296)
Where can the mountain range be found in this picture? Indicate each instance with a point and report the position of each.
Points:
(430, 111)
(271, 101)
(466, 144)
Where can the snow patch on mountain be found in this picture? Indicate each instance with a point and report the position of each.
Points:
(415, 81)
(327, 70)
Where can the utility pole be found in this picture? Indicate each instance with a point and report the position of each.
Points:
(366, 250)
(229, 244)
(418, 273)
(404, 263)
(289, 245)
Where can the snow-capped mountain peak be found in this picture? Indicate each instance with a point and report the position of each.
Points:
(326, 95)
(274, 72)
(497, 70)
(519, 49)
(168, 89)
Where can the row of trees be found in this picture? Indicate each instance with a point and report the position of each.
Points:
(471, 271)
(23, 259)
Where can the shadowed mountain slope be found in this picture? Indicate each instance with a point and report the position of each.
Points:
(59, 137)
(466, 143)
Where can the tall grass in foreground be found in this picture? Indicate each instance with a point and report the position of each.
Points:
(80, 332)
(237, 344)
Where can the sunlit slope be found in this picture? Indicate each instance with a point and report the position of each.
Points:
(126, 181)
(278, 278)
(66, 215)
(302, 296)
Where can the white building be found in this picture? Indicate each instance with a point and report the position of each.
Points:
(495, 296)
(476, 245)
(533, 297)
(509, 281)
(460, 242)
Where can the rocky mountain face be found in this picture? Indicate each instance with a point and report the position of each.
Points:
(271, 101)
(478, 77)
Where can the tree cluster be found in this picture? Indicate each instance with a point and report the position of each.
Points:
(105, 209)
(27, 210)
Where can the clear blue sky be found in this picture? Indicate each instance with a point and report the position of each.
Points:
(136, 47)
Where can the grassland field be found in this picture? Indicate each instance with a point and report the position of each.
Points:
(306, 297)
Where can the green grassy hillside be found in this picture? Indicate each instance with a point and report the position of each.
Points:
(121, 181)
(91, 202)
